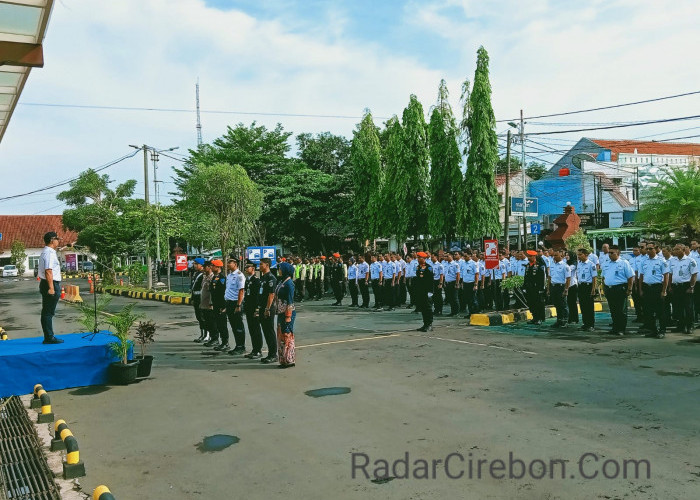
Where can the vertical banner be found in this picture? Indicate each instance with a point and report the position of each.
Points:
(181, 262)
(491, 254)
(71, 262)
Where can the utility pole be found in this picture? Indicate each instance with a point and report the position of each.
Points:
(636, 186)
(522, 166)
(199, 122)
(507, 197)
(149, 263)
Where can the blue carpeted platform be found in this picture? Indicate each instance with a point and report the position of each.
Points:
(75, 363)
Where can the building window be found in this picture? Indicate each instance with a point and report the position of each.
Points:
(500, 199)
(33, 262)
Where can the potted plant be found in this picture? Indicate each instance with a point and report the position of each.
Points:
(145, 334)
(124, 371)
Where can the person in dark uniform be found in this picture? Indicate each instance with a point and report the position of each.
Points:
(196, 290)
(218, 303)
(250, 307)
(268, 283)
(327, 272)
(423, 286)
(205, 305)
(535, 285)
(338, 279)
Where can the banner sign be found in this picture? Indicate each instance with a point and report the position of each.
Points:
(71, 262)
(516, 207)
(254, 254)
(491, 254)
(181, 262)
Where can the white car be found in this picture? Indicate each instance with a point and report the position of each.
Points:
(9, 270)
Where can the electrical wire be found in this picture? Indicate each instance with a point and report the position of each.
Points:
(636, 124)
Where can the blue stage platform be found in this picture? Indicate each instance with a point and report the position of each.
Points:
(75, 363)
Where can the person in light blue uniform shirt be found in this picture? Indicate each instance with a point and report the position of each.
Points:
(499, 274)
(451, 282)
(363, 280)
(587, 278)
(469, 272)
(559, 282)
(684, 276)
(653, 279)
(389, 280)
(618, 278)
(410, 273)
(352, 282)
(375, 276)
(438, 278)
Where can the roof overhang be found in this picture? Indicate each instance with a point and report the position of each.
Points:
(22, 29)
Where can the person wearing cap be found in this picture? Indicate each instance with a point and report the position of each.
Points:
(234, 294)
(250, 307)
(375, 276)
(338, 278)
(424, 284)
(217, 290)
(353, 282)
(206, 307)
(196, 297)
(363, 280)
(535, 284)
(49, 286)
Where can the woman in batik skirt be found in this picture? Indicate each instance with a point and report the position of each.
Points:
(284, 302)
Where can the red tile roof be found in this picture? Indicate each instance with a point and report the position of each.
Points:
(30, 230)
(649, 147)
(501, 178)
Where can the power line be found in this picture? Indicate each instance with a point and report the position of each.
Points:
(649, 122)
(605, 107)
(68, 181)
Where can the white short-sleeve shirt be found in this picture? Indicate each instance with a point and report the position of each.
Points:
(49, 260)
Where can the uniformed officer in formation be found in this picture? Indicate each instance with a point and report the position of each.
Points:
(424, 290)
(252, 316)
(353, 283)
(217, 290)
(683, 278)
(535, 286)
(363, 281)
(586, 277)
(338, 278)
(653, 278)
(451, 280)
(559, 282)
(375, 276)
(619, 279)
(438, 279)
(388, 282)
(196, 298)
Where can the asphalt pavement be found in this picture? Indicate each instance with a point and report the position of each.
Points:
(460, 399)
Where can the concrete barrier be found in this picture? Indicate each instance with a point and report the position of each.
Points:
(45, 415)
(102, 493)
(73, 467)
(36, 402)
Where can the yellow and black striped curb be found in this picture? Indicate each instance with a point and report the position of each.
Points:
(45, 414)
(73, 467)
(86, 275)
(136, 294)
(102, 493)
(496, 319)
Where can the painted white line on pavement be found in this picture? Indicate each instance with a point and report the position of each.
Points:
(476, 343)
(348, 340)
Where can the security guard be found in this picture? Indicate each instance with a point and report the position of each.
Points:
(352, 282)
(653, 280)
(196, 298)
(535, 286)
(586, 276)
(363, 281)
(250, 306)
(338, 278)
(438, 278)
(685, 274)
(217, 288)
(619, 279)
(451, 281)
(559, 282)
(424, 288)
(375, 275)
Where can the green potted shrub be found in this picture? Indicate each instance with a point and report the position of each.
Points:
(124, 371)
(145, 334)
(514, 285)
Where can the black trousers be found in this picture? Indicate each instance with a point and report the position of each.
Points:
(388, 294)
(653, 307)
(318, 287)
(535, 302)
(354, 292)
(586, 302)
(377, 291)
(469, 297)
(617, 300)
(684, 303)
(402, 291)
(210, 321)
(409, 287)
(638, 303)
(437, 297)
(254, 330)
(310, 288)
(299, 289)
(572, 304)
(451, 296)
(364, 292)
(488, 294)
(236, 320)
(198, 314)
(339, 290)
(268, 328)
(221, 319)
(423, 305)
(556, 292)
(48, 306)
(497, 294)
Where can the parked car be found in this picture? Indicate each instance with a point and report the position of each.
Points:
(87, 265)
(9, 270)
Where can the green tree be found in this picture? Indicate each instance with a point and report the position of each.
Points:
(367, 178)
(536, 170)
(578, 240)
(226, 198)
(502, 166)
(411, 187)
(391, 206)
(18, 255)
(325, 152)
(671, 203)
(478, 216)
(108, 221)
(445, 175)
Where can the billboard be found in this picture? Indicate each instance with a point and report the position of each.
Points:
(254, 254)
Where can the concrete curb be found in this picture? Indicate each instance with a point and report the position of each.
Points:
(508, 317)
(136, 294)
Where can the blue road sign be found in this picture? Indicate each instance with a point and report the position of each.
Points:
(254, 254)
(535, 228)
(0, 236)
(516, 207)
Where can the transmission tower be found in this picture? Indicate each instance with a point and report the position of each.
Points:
(199, 122)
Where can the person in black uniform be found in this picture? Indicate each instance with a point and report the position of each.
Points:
(250, 307)
(423, 286)
(196, 289)
(535, 285)
(268, 283)
(218, 302)
(338, 279)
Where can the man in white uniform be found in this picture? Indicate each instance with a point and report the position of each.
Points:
(49, 285)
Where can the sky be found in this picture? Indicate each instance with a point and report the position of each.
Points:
(267, 60)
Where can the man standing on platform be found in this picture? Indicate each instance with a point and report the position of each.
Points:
(49, 285)
(424, 291)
